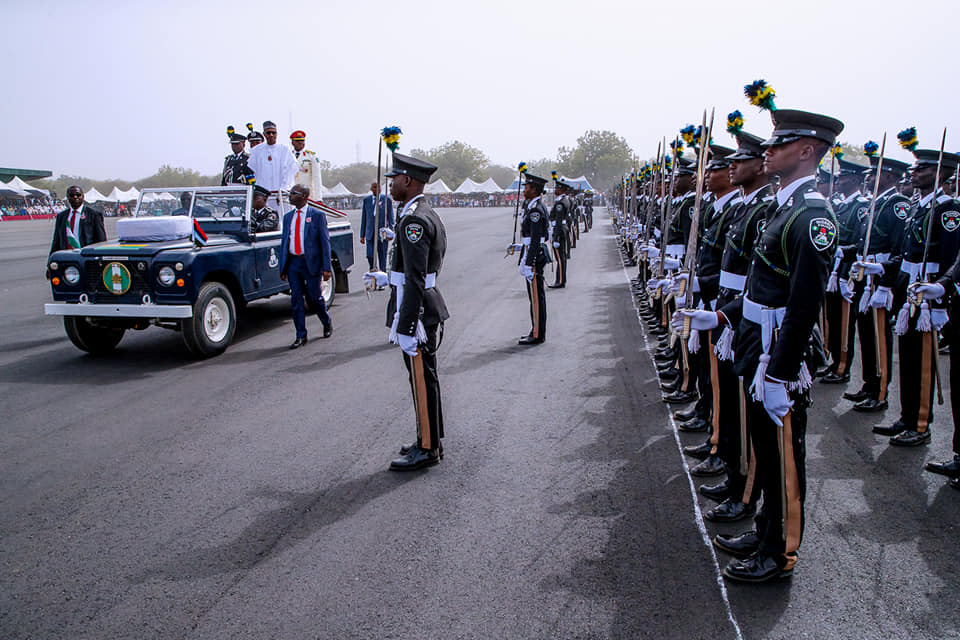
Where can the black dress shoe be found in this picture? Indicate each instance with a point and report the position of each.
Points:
(680, 397)
(697, 425)
(669, 375)
(856, 397)
(528, 340)
(910, 438)
(870, 405)
(730, 510)
(892, 430)
(740, 545)
(299, 342)
(951, 468)
(328, 330)
(555, 286)
(699, 451)
(832, 378)
(761, 567)
(712, 466)
(671, 386)
(416, 458)
(407, 448)
(718, 492)
(823, 371)
(685, 416)
(659, 331)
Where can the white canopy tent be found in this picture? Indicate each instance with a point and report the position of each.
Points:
(131, 194)
(115, 195)
(94, 196)
(10, 190)
(19, 184)
(581, 183)
(338, 191)
(468, 186)
(437, 187)
(489, 186)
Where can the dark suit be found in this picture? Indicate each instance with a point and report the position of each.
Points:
(90, 231)
(370, 229)
(305, 271)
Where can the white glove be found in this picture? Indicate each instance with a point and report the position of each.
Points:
(776, 400)
(526, 271)
(869, 268)
(387, 234)
(556, 245)
(408, 344)
(671, 263)
(378, 278)
(651, 251)
(677, 279)
(938, 317)
(930, 290)
(845, 290)
(700, 320)
(883, 297)
(653, 284)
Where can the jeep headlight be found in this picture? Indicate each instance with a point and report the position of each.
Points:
(166, 276)
(71, 274)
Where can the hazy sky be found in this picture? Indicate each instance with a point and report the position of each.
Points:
(115, 89)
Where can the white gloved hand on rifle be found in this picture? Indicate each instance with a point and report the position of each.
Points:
(408, 344)
(700, 319)
(776, 400)
(671, 263)
(845, 290)
(387, 234)
(869, 268)
(375, 278)
(930, 290)
(526, 271)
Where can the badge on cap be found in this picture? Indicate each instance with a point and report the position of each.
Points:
(822, 233)
(414, 232)
(950, 220)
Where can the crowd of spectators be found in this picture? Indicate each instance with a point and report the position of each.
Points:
(29, 207)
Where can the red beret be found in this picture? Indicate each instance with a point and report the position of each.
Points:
(298, 135)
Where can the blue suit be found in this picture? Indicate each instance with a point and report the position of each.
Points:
(305, 271)
(369, 229)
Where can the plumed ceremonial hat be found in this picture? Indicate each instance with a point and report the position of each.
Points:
(417, 169)
(719, 157)
(790, 125)
(889, 164)
(534, 180)
(848, 168)
(928, 157)
(234, 136)
(263, 191)
(749, 147)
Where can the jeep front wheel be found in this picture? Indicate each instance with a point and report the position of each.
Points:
(89, 337)
(210, 331)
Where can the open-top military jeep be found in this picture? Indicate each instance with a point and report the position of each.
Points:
(186, 260)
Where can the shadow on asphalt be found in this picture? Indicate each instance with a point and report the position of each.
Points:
(300, 516)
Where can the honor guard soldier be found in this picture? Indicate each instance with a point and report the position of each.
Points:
(930, 243)
(262, 217)
(534, 255)
(878, 269)
(235, 169)
(254, 137)
(560, 224)
(773, 322)
(308, 164)
(417, 311)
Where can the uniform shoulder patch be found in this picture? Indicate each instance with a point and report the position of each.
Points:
(950, 220)
(414, 231)
(535, 215)
(822, 233)
(862, 212)
(901, 209)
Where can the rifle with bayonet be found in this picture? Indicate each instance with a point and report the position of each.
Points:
(690, 257)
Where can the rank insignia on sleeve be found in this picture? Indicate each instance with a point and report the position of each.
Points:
(822, 233)
(901, 209)
(950, 220)
(414, 232)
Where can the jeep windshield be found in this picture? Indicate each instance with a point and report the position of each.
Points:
(212, 202)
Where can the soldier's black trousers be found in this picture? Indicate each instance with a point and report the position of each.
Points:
(952, 332)
(876, 375)
(730, 440)
(538, 305)
(560, 254)
(425, 387)
(917, 377)
(836, 309)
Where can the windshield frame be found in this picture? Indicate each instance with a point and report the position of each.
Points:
(240, 191)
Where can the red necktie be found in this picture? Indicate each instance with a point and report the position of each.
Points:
(297, 250)
(73, 219)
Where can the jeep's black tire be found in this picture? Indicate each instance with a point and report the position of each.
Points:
(210, 331)
(90, 338)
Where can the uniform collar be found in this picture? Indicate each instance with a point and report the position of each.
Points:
(409, 204)
(533, 202)
(784, 194)
(750, 197)
(722, 201)
(850, 198)
(925, 200)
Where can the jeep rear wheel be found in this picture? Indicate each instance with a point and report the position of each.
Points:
(210, 331)
(89, 337)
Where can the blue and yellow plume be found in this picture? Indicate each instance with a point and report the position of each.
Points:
(734, 122)
(522, 167)
(837, 151)
(687, 133)
(908, 138)
(391, 137)
(760, 95)
(871, 148)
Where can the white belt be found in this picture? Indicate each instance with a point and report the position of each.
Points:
(397, 279)
(874, 257)
(525, 241)
(732, 281)
(676, 250)
(769, 318)
(913, 269)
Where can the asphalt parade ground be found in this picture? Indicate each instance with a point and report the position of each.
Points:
(150, 495)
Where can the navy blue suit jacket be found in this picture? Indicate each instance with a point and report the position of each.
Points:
(367, 226)
(316, 241)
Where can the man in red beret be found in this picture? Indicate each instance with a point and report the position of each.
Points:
(308, 172)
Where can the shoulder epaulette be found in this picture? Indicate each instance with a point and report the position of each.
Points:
(815, 199)
(943, 198)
